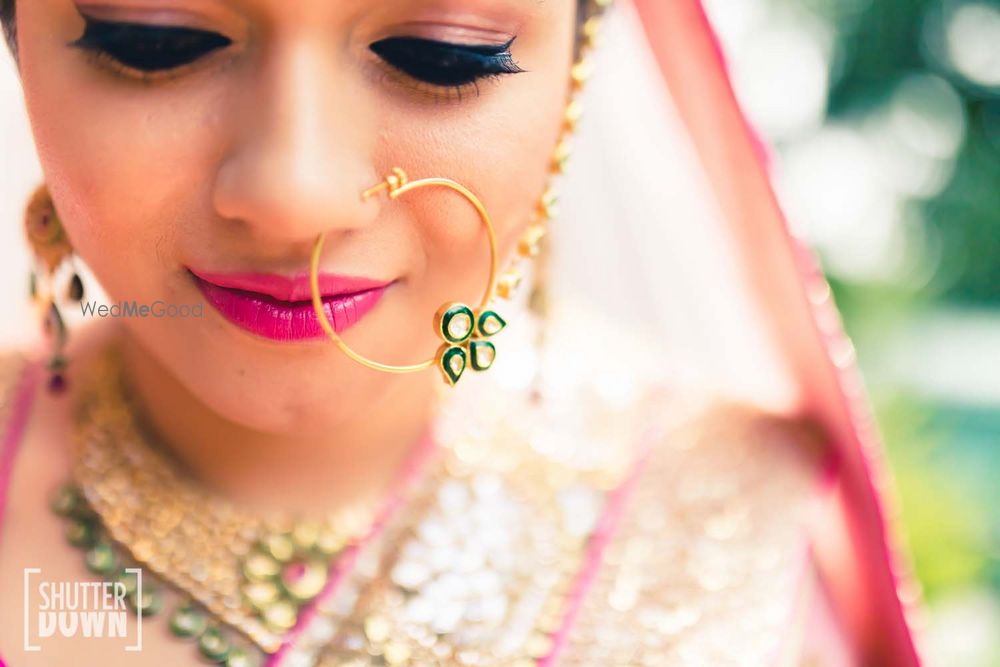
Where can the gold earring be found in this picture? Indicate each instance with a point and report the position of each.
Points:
(463, 330)
(51, 248)
(530, 245)
(453, 362)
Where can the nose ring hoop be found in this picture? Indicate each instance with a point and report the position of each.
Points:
(463, 330)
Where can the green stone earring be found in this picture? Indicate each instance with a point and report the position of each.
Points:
(462, 329)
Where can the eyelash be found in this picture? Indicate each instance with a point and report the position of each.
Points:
(444, 64)
(148, 52)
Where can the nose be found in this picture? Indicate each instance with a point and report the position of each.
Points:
(299, 159)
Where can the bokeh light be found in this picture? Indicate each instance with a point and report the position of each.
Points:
(973, 42)
(885, 117)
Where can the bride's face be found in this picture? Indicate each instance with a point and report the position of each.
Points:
(217, 138)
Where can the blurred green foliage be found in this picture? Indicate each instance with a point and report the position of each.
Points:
(879, 43)
(945, 461)
(945, 452)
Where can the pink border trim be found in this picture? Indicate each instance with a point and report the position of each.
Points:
(17, 421)
(22, 399)
(761, 147)
(605, 531)
(408, 474)
(833, 391)
(826, 484)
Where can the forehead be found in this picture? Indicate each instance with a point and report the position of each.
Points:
(319, 13)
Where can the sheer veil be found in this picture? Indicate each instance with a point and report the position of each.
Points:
(667, 222)
(638, 233)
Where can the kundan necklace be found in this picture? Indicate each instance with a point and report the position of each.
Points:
(243, 580)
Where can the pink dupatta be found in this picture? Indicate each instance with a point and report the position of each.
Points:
(793, 299)
(799, 317)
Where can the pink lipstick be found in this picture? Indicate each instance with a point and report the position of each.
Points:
(280, 307)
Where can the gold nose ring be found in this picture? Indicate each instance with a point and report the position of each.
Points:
(464, 330)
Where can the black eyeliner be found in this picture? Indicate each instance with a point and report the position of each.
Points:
(446, 63)
(147, 47)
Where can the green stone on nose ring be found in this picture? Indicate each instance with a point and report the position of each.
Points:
(464, 333)
(462, 329)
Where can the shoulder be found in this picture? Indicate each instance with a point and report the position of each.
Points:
(723, 435)
(623, 376)
(711, 561)
(717, 453)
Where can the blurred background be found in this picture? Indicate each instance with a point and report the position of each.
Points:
(885, 117)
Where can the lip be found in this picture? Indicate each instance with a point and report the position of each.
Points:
(280, 307)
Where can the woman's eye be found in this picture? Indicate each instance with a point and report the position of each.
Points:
(148, 48)
(444, 63)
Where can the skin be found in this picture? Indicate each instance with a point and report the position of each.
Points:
(237, 162)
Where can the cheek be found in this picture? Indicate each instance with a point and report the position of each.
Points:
(95, 135)
(500, 147)
(132, 168)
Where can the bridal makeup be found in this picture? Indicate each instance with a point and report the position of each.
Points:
(279, 308)
(143, 51)
(185, 140)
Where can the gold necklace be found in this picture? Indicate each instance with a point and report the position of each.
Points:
(130, 504)
(478, 559)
